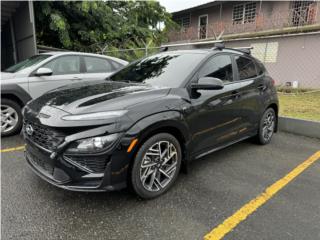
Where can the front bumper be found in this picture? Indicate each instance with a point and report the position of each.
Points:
(62, 173)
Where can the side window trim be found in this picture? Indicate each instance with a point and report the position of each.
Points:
(234, 69)
(236, 66)
(83, 67)
(256, 63)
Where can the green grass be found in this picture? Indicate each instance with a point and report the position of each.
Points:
(304, 106)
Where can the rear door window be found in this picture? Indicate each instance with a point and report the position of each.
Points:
(97, 65)
(246, 68)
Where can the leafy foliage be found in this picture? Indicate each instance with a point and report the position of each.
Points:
(97, 26)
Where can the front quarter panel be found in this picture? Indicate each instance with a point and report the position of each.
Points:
(143, 127)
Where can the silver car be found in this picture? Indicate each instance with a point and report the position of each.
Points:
(34, 76)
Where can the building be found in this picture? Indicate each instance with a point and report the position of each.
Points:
(285, 35)
(18, 39)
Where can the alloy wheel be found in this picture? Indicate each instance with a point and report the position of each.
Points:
(268, 126)
(158, 166)
(9, 118)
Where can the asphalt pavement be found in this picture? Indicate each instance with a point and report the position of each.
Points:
(217, 186)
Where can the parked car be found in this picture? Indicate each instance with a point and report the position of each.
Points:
(36, 75)
(148, 119)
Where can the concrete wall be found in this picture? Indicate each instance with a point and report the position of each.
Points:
(22, 39)
(24, 32)
(296, 59)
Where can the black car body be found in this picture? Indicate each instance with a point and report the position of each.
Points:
(166, 93)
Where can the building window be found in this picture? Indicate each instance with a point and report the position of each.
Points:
(303, 12)
(244, 13)
(203, 25)
(183, 21)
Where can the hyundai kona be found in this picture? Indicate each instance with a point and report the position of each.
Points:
(144, 123)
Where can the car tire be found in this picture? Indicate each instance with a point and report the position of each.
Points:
(10, 112)
(152, 174)
(266, 127)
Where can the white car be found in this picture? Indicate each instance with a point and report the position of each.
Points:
(34, 76)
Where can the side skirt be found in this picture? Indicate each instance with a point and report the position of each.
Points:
(221, 147)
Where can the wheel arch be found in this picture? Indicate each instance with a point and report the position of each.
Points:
(15, 93)
(171, 122)
(12, 97)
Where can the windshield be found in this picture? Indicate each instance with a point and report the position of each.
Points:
(27, 63)
(161, 70)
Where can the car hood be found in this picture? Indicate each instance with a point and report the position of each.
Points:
(97, 96)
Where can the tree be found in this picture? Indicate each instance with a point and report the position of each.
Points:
(97, 26)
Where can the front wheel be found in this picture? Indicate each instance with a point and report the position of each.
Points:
(156, 165)
(11, 117)
(267, 126)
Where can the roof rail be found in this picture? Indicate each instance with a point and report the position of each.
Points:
(219, 45)
(246, 50)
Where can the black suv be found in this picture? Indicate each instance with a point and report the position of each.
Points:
(146, 121)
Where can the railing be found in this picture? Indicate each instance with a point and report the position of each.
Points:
(296, 18)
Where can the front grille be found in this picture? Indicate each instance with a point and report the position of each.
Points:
(93, 164)
(43, 136)
(39, 162)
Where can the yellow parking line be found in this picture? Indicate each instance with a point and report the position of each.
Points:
(12, 149)
(230, 223)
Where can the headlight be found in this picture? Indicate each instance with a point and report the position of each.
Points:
(94, 116)
(92, 145)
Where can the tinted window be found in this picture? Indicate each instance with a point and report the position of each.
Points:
(164, 69)
(97, 65)
(260, 68)
(246, 68)
(27, 63)
(218, 67)
(64, 65)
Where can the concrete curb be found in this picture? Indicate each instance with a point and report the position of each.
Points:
(301, 127)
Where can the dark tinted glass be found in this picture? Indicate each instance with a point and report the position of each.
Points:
(164, 69)
(218, 67)
(246, 68)
(260, 68)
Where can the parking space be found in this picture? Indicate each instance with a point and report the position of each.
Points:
(216, 187)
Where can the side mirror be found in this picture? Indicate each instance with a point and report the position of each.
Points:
(207, 83)
(43, 72)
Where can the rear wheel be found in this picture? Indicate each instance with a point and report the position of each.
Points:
(267, 126)
(156, 166)
(11, 117)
